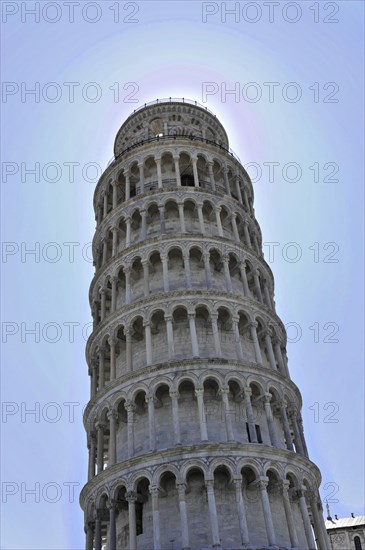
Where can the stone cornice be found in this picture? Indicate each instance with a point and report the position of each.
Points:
(188, 237)
(186, 365)
(259, 453)
(249, 304)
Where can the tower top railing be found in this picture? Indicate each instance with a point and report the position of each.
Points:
(173, 100)
(175, 136)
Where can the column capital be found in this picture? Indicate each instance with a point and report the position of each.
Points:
(130, 406)
(199, 391)
(181, 488)
(209, 485)
(111, 504)
(247, 391)
(131, 496)
(191, 315)
(262, 483)
(113, 415)
(155, 491)
(174, 393)
(100, 425)
(267, 332)
(267, 397)
(253, 324)
(150, 399)
(284, 486)
(127, 331)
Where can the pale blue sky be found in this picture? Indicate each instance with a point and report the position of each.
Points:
(171, 52)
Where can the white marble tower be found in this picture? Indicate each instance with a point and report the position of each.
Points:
(194, 428)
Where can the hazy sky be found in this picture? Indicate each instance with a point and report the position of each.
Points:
(295, 118)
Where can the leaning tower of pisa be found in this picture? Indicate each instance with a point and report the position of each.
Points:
(194, 428)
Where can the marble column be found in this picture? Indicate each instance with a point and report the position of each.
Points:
(285, 422)
(112, 342)
(297, 438)
(194, 160)
(217, 344)
(89, 530)
(227, 414)
(113, 418)
(143, 235)
(245, 539)
(128, 340)
(270, 351)
(237, 339)
(209, 483)
(181, 217)
(217, 211)
(254, 339)
(131, 498)
(112, 527)
(262, 484)
(181, 488)
(306, 521)
(151, 421)
(114, 294)
(114, 240)
(128, 225)
(319, 531)
(155, 518)
(141, 177)
(249, 414)
(234, 227)
(162, 219)
(100, 427)
(92, 452)
(148, 339)
(270, 421)
(187, 271)
(201, 219)
(199, 392)
(101, 368)
(246, 234)
(211, 175)
(130, 407)
(97, 530)
(289, 514)
(103, 303)
(193, 336)
(127, 273)
(246, 290)
(257, 286)
(227, 274)
(208, 274)
(174, 394)
(170, 336)
(279, 356)
(226, 181)
(165, 273)
(127, 185)
(115, 193)
(105, 204)
(159, 173)
(238, 189)
(177, 171)
(146, 289)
